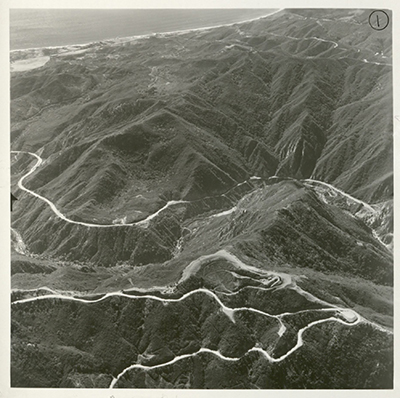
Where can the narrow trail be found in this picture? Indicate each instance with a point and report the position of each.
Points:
(337, 190)
(335, 45)
(306, 38)
(195, 266)
(370, 211)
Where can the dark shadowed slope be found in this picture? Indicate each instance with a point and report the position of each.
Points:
(230, 189)
(190, 115)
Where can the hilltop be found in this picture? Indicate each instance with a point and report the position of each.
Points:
(229, 188)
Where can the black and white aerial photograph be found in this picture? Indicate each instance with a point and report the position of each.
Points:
(201, 199)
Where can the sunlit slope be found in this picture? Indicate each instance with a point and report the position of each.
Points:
(286, 223)
(173, 173)
(190, 115)
(251, 322)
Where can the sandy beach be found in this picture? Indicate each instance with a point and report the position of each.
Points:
(118, 40)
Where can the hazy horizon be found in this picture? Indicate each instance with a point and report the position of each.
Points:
(36, 28)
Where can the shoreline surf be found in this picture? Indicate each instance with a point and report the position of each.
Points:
(120, 40)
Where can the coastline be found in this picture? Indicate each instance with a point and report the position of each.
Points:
(118, 40)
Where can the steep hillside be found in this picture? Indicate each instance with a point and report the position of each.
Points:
(278, 95)
(123, 338)
(193, 115)
(206, 209)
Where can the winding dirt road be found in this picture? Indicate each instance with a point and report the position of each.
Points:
(143, 223)
(340, 192)
(352, 316)
(285, 281)
(299, 343)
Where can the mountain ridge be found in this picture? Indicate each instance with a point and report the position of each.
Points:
(206, 209)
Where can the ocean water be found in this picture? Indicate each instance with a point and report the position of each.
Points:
(31, 28)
